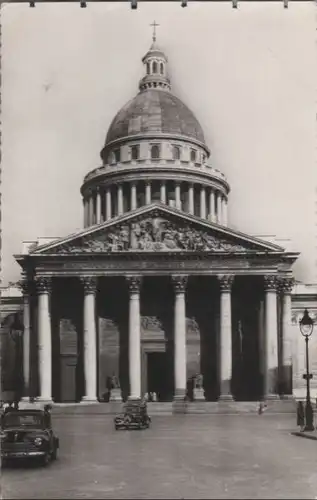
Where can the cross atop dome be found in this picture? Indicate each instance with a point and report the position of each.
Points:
(154, 25)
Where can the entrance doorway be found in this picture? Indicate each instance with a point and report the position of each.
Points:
(157, 375)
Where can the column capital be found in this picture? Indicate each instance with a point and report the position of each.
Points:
(225, 282)
(286, 284)
(134, 283)
(271, 283)
(89, 283)
(179, 283)
(25, 285)
(43, 284)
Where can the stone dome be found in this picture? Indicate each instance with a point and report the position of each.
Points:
(155, 111)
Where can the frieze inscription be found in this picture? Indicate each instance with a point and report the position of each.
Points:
(149, 265)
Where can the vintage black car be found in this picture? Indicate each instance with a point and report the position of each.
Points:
(134, 416)
(27, 433)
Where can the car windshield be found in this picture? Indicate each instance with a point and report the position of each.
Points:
(22, 420)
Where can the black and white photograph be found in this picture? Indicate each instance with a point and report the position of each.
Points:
(158, 250)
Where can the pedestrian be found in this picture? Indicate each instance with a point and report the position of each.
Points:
(262, 407)
(301, 415)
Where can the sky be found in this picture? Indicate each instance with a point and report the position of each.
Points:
(248, 74)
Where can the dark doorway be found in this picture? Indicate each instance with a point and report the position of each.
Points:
(157, 375)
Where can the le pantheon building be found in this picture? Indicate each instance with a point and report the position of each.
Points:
(156, 290)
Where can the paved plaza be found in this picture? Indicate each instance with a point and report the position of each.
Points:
(181, 457)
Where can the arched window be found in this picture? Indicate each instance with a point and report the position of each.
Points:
(148, 68)
(176, 153)
(193, 155)
(135, 152)
(154, 67)
(161, 69)
(155, 152)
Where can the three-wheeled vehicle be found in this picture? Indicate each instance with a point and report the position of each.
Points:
(134, 416)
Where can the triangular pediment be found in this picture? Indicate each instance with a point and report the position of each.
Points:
(156, 228)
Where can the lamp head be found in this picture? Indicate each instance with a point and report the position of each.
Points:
(306, 324)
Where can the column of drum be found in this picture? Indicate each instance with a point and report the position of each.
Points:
(212, 203)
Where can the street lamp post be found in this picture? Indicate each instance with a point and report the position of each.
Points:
(306, 325)
(16, 332)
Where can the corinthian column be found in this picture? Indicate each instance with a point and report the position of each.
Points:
(98, 206)
(218, 202)
(203, 202)
(86, 212)
(133, 196)
(178, 195)
(163, 192)
(108, 203)
(286, 285)
(25, 288)
(225, 337)
(148, 193)
(191, 199)
(211, 205)
(120, 199)
(224, 211)
(91, 209)
(271, 346)
(179, 283)
(90, 344)
(134, 283)
(44, 339)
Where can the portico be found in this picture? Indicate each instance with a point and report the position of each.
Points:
(221, 312)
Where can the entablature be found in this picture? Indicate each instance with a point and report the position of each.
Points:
(202, 175)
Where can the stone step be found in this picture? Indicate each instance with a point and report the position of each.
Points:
(169, 408)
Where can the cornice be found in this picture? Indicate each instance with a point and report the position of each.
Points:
(180, 173)
(154, 136)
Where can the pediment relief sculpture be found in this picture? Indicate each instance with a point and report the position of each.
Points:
(152, 234)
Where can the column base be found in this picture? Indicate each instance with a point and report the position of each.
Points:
(179, 394)
(271, 397)
(225, 397)
(89, 399)
(287, 396)
(43, 399)
(179, 401)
